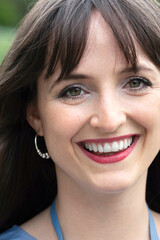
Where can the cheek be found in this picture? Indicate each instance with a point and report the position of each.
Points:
(146, 111)
(62, 121)
(60, 124)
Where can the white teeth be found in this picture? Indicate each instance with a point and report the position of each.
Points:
(90, 147)
(121, 145)
(100, 148)
(109, 147)
(115, 147)
(125, 144)
(95, 148)
(129, 141)
(87, 145)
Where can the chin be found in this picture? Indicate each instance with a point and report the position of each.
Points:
(113, 185)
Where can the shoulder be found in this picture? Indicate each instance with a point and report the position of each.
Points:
(15, 233)
(156, 217)
(40, 227)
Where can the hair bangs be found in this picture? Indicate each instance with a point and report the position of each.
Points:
(133, 22)
(114, 16)
(69, 37)
(128, 23)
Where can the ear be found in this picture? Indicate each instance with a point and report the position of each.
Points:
(33, 118)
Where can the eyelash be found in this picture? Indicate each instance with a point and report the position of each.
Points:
(63, 93)
(146, 83)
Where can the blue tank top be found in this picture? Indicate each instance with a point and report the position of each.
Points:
(17, 233)
(55, 222)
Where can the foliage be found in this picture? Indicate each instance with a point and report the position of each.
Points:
(6, 37)
(11, 12)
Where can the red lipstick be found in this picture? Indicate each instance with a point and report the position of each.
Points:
(109, 158)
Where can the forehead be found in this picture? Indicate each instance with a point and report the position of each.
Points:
(99, 33)
(102, 44)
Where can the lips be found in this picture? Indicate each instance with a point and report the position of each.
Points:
(109, 150)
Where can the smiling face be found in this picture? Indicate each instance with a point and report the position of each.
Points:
(101, 124)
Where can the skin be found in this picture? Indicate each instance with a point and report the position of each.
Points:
(108, 106)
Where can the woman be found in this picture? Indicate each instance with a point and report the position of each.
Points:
(79, 122)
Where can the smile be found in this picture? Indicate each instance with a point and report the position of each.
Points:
(109, 150)
(109, 147)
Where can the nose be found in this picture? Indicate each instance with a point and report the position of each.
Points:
(108, 114)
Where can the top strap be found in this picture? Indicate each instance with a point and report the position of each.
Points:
(55, 222)
(152, 227)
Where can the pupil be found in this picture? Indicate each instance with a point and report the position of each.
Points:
(75, 91)
(134, 83)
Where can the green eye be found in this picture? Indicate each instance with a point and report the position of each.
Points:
(75, 91)
(72, 92)
(135, 83)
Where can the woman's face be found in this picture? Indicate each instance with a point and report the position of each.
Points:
(106, 107)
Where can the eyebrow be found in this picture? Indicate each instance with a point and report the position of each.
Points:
(69, 77)
(75, 76)
(138, 69)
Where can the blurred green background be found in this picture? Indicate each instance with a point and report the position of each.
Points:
(11, 13)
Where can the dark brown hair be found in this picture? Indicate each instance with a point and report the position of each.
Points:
(55, 31)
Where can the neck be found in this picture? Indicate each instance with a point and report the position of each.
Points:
(88, 215)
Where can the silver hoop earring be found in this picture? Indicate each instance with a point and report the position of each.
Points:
(43, 155)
